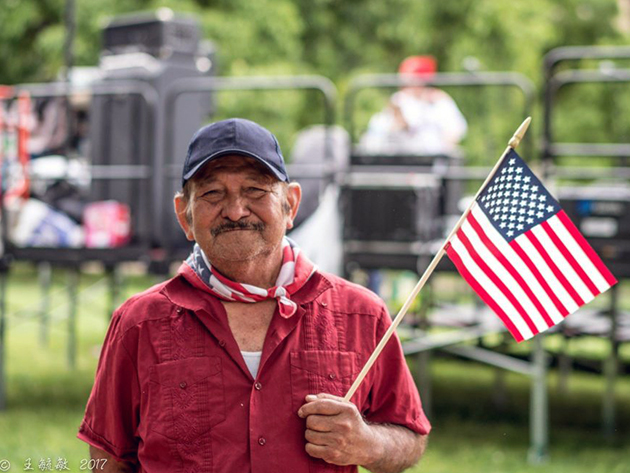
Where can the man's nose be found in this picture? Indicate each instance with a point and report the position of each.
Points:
(235, 208)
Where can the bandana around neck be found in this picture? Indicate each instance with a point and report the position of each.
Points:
(296, 269)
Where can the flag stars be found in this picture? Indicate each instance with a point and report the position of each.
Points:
(515, 201)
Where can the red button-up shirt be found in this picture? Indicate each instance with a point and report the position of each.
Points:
(173, 393)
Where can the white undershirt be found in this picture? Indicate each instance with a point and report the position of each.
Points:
(252, 360)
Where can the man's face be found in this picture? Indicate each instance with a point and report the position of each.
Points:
(237, 212)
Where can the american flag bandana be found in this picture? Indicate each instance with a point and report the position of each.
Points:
(295, 271)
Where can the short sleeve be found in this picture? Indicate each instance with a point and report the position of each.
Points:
(112, 412)
(394, 398)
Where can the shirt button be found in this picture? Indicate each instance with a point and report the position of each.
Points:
(221, 343)
(324, 304)
(179, 310)
(332, 375)
(258, 386)
(183, 385)
(262, 441)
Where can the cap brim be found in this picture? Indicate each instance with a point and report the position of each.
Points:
(240, 152)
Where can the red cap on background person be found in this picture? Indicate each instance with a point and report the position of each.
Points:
(418, 65)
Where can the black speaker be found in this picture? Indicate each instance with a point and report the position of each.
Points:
(160, 34)
(126, 131)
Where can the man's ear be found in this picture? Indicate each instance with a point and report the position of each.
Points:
(294, 197)
(182, 218)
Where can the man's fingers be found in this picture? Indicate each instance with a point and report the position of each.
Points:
(327, 406)
(317, 438)
(327, 396)
(318, 423)
(316, 451)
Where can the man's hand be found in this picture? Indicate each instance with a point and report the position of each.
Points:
(337, 433)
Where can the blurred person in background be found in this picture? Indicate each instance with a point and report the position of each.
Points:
(239, 363)
(418, 119)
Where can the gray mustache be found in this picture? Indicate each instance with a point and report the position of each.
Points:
(228, 226)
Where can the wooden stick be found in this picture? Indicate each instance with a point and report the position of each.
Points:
(513, 143)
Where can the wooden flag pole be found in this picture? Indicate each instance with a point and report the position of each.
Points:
(513, 143)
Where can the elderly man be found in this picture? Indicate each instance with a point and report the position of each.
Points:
(239, 363)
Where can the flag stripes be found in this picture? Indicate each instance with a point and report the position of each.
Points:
(557, 273)
(566, 254)
(523, 266)
(478, 287)
(588, 250)
(520, 313)
(520, 287)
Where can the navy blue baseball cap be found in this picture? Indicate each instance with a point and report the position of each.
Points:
(234, 136)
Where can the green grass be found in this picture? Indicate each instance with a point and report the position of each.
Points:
(471, 434)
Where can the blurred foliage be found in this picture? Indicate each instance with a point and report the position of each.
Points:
(342, 39)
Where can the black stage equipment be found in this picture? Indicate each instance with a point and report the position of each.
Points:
(156, 49)
(602, 214)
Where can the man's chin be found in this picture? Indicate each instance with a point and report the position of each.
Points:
(237, 245)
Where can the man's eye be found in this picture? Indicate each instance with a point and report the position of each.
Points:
(210, 193)
(256, 191)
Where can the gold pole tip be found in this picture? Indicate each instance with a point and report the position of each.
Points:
(520, 133)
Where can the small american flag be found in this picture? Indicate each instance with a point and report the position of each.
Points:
(522, 255)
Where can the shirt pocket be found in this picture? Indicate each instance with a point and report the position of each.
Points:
(321, 371)
(186, 397)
